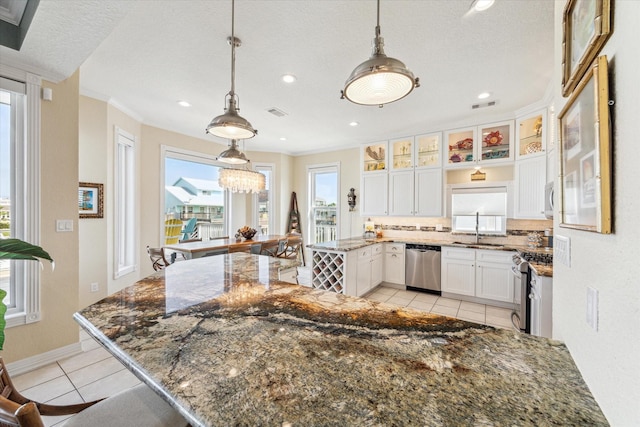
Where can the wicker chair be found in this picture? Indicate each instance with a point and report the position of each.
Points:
(157, 257)
(292, 247)
(138, 406)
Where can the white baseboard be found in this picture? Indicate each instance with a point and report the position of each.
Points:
(43, 359)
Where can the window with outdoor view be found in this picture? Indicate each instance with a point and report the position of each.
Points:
(20, 190)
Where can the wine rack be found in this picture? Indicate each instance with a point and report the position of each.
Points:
(328, 271)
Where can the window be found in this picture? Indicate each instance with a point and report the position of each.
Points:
(264, 201)
(125, 204)
(324, 184)
(190, 190)
(20, 189)
(482, 208)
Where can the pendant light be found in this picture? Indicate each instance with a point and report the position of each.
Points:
(381, 79)
(231, 125)
(232, 155)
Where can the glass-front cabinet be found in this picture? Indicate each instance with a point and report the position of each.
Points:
(461, 144)
(496, 140)
(401, 153)
(374, 157)
(531, 134)
(428, 150)
(485, 144)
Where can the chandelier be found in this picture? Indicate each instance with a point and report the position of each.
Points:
(241, 180)
(380, 79)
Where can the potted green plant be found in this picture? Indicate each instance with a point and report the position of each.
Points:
(17, 249)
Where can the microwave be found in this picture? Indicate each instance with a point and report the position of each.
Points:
(548, 200)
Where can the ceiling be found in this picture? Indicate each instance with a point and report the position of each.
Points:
(144, 56)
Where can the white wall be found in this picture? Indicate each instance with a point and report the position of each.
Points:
(608, 358)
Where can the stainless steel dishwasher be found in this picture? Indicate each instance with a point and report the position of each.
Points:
(422, 269)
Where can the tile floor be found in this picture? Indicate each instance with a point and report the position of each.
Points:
(94, 373)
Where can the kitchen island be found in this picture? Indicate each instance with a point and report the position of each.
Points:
(227, 343)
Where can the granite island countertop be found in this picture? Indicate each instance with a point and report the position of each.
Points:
(226, 343)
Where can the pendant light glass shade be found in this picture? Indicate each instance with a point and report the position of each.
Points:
(241, 180)
(232, 155)
(231, 125)
(381, 79)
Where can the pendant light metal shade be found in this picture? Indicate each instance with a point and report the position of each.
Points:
(232, 155)
(231, 125)
(380, 79)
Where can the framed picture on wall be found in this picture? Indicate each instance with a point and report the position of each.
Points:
(90, 200)
(585, 154)
(586, 27)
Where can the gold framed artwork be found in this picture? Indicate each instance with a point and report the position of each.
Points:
(90, 200)
(586, 27)
(585, 154)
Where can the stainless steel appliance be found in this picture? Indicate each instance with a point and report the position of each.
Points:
(422, 268)
(522, 314)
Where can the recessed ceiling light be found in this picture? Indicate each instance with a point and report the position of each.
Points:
(289, 78)
(480, 5)
(184, 104)
(283, 139)
(484, 95)
(354, 124)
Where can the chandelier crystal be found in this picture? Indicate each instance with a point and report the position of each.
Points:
(241, 180)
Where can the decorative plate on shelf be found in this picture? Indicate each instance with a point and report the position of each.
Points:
(534, 147)
(493, 138)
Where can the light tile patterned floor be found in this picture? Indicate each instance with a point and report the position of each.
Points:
(95, 374)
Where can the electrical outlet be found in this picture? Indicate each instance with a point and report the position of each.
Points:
(64, 225)
(592, 308)
(438, 227)
(95, 287)
(418, 227)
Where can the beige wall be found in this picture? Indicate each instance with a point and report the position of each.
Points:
(59, 186)
(608, 358)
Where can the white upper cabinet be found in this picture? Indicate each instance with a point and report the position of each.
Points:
(531, 135)
(480, 145)
(401, 154)
(428, 150)
(373, 157)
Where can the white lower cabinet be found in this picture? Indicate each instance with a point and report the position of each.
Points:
(289, 275)
(478, 273)
(458, 271)
(494, 279)
(370, 268)
(394, 263)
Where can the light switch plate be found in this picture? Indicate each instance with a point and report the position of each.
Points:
(562, 250)
(64, 225)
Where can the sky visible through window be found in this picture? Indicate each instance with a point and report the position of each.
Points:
(175, 169)
(326, 184)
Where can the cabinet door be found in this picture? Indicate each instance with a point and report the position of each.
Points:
(494, 281)
(460, 144)
(531, 178)
(377, 264)
(428, 192)
(363, 281)
(531, 135)
(495, 143)
(458, 276)
(401, 193)
(373, 194)
(428, 150)
(394, 268)
(401, 153)
(374, 157)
